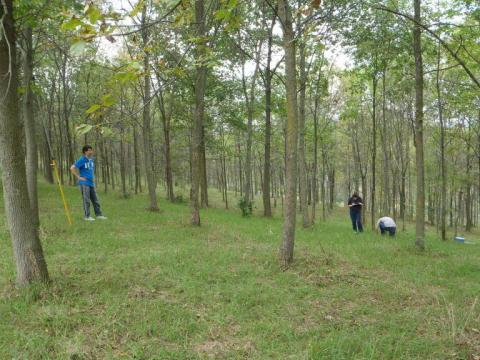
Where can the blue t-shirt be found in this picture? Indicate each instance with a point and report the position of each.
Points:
(86, 168)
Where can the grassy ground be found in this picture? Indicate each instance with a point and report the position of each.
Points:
(148, 286)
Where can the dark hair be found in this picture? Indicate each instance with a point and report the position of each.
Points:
(86, 148)
(355, 193)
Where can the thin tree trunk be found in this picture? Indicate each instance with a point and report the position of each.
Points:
(30, 133)
(66, 114)
(249, 95)
(419, 155)
(122, 161)
(200, 84)
(287, 246)
(203, 173)
(136, 165)
(147, 146)
(374, 147)
(468, 196)
(315, 158)
(302, 170)
(386, 162)
(443, 167)
(331, 179)
(223, 164)
(267, 207)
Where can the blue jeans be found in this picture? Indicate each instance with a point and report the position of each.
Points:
(384, 229)
(356, 217)
(90, 194)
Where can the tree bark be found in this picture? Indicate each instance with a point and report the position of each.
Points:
(27, 249)
(136, 160)
(315, 157)
(147, 147)
(443, 167)
(200, 84)
(267, 207)
(249, 95)
(374, 147)
(468, 196)
(166, 119)
(302, 169)
(30, 133)
(386, 160)
(419, 154)
(287, 246)
(203, 172)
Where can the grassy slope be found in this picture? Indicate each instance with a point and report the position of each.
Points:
(144, 286)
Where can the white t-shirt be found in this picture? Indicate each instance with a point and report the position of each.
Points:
(387, 222)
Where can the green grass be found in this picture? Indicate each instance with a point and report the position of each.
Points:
(149, 286)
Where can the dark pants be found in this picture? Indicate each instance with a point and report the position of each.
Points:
(356, 217)
(90, 194)
(383, 229)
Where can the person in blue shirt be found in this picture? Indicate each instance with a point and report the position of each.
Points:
(83, 170)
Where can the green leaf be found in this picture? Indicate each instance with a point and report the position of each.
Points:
(108, 100)
(78, 47)
(71, 24)
(82, 129)
(125, 76)
(105, 131)
(137, 8)
(222, 14)
(93, 108)
(136, 65)
(93, 13)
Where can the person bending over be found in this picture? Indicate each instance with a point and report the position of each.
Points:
(386, 224)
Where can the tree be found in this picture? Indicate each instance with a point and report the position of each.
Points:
(287, 246)
(27, 249)
(419, 154)
(197, 132)
(147, 133)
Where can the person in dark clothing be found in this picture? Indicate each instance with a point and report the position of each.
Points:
(355, 204)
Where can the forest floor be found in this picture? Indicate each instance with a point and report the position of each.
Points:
(149, 286)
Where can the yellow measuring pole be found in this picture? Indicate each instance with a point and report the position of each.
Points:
(65, 205)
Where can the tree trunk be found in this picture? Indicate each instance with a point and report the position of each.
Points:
(443, 167)
(136, 165)
(147, 147)
(374, 147)
(468, 196)
(66, 114)
(166, 120)
(287, 246)
(331, 179)
(386, 160)
(302, 170)
(122, 160)
(315, 155)
(267, 207)
(419, 155)
(200, 84)
(223, 163)
(203, 173)
(30, 133)
(27, 249)
(249, 94)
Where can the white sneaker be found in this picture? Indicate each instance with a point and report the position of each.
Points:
(89, 219)
(101, 217)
